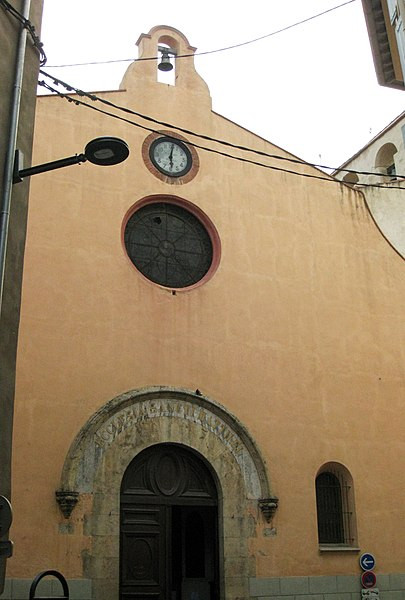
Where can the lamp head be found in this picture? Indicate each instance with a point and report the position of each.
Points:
(106, 151)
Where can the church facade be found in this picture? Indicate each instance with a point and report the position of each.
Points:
(210, 376)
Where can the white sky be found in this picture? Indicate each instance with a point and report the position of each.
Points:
(311, 90)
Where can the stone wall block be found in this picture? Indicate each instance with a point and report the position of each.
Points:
(310, 597)
(7, 590)
(236, 566)
(383, 582)
(106, 524)
(235, 526)
(265, 586)
(105, 587)
(276, 598)
(20, 588)
(233, 547)
(108, 566)
(79, 589)
(341, 596)
(236, 589)
(348, 583)
(107, 546)
(294, 586)
(393, 595)
(397, 581)
(323, 585)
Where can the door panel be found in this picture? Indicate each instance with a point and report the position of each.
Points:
(143, 541)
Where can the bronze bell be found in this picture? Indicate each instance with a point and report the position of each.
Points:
(165, 64)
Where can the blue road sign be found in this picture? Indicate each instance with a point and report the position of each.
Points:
(367, 561)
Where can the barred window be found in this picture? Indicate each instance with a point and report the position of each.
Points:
(335, 506)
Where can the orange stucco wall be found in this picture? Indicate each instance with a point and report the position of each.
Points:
(300, 333)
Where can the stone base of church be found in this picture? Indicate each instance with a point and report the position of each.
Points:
(330, 587)
(19, 589)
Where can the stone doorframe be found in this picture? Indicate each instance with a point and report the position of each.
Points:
(131, 422)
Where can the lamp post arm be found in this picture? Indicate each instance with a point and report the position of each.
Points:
(50, 166)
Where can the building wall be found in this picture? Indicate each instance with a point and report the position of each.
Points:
(298, 337)
(10, 308)
(396, 12)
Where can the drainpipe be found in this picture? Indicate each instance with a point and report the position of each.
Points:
(12, 143)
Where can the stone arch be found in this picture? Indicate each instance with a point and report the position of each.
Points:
(385, 159)
(385, 155)
(169, 36)
(138, 419)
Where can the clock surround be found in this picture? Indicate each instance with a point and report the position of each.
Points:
(170, 178)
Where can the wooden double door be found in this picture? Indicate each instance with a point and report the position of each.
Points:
(169, 527)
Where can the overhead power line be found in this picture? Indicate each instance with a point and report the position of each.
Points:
(239, 45)
(28, 26)
(95, 98)
(78, 102)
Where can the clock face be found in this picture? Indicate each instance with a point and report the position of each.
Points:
(170, 156)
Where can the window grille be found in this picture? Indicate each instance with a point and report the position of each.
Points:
(333, 502)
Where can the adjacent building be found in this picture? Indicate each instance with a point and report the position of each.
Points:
(385, 21)
(15, 91)
(378, 170)
(210, 373)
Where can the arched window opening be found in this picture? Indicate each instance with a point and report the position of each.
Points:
(335, 506)
(351, 178)
(385, 160)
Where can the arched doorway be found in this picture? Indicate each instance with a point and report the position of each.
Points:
(168, 527)
(137, 420)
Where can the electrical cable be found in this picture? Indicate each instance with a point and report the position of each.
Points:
(78, 102)
(262, 37)
(94, 97)
(26, 23)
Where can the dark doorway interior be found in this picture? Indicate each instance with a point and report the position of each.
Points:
(169, 527)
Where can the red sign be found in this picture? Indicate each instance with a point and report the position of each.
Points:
(368, 579)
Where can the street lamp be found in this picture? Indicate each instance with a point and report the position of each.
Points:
(103, 151)
(100, 151)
